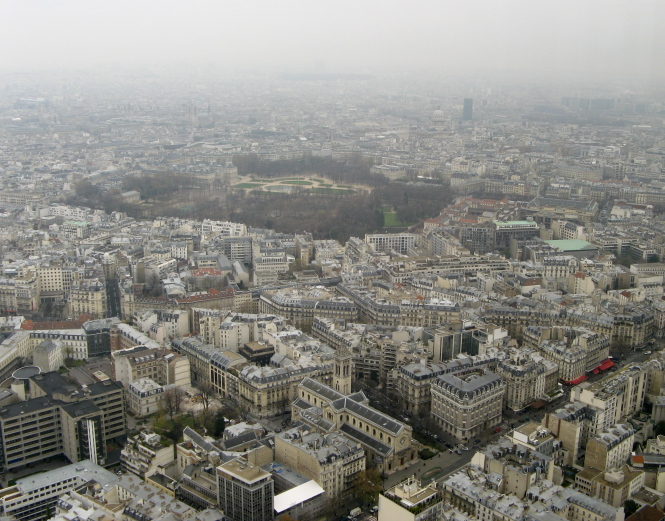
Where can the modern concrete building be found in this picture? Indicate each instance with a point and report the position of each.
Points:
(35, 496)
(60, 418)
(467, 111)
(245, 491)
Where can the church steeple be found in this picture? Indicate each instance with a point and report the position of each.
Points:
(343, 371)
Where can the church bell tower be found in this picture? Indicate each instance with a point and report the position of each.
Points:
(343, 370)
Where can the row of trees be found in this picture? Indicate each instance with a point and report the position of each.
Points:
(325, 216)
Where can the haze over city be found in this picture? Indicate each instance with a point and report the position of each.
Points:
(585, 40)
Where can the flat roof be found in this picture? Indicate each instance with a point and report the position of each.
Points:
(243, 470)
(25, 372)
(297, 495)
(572, 244)
(514, 223)
(85, 469)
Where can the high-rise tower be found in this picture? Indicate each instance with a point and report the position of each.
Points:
(467, 112)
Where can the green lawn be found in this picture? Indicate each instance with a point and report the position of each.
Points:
(305, 183)
(390, 220)
(248, 185)
(331, 191)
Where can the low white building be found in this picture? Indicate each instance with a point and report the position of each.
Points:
(48, 355)
(145, 397)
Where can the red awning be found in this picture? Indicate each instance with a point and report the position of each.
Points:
(576, 380)
(606, 365)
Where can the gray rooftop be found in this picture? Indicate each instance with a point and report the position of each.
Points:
(86, 470)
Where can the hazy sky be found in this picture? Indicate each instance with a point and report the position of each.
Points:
(588, 37)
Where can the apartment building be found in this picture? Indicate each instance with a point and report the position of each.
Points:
(528, 377)
(301, 306)
(236, 248)
(144, 453)
(576, 351)
(386, 242)
(223, 228)
(398, 308)
(518, 466)
(210, 365)
(609, 450)
(410, 500)
(615, 397)
(139, 501)
(227, 330)
(268, 264)
(414, 386)
(145, 397)
(163, 366)
(269, 391)
(48, 355)
(123, 336)
(98, 336)
(467, 403)
(332, 460)
(88, 297)
(398, 270)
(613, 488)
(76, 229)
(19, 347)
(467, 490)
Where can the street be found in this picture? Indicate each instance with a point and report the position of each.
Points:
(446, 461)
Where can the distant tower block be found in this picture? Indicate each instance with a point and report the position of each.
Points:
(467, 112)
(343, 370)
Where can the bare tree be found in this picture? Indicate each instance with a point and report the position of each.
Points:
(173, 399)
(206, 392)
(367, 485)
